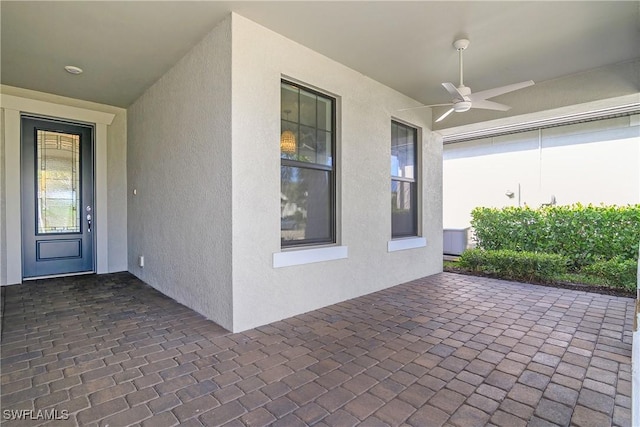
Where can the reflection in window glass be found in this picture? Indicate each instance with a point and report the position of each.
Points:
(325, 114)
(308, 120)
(402, 151)
(403, 208)
(58, 169)
(307, 147)
(308, 108)
(305, 205)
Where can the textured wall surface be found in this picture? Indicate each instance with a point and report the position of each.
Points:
(117, 192)
(263, 294)
(179, 163)
(590, 163)
(204, 158)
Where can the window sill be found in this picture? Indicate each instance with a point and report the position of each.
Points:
(309, 256)
(408, 243)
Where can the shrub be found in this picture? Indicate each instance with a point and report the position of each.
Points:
(515, 265)
(616, 272)
(583, 234)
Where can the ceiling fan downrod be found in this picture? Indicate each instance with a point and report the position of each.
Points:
(460, 46)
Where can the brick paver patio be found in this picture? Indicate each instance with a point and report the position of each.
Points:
(444, 350)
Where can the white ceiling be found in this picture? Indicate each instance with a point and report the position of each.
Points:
(124, 47)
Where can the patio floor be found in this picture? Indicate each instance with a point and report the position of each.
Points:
(443, 350)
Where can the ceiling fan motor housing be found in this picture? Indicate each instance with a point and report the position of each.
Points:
(464, 91)
(461, 44)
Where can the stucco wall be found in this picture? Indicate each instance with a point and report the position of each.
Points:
(596, 162)
(116, 198)
(262, 293)
(117, 192)
(179, 163)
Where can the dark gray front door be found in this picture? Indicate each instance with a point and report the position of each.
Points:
(57, 198)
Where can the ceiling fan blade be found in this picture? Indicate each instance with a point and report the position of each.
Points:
(453, 91)
(490, 93)
(489, 105)
(425, 106)
(442, 117)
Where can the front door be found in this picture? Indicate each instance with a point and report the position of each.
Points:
(57, 198)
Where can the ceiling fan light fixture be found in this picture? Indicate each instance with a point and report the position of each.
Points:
(462, 106)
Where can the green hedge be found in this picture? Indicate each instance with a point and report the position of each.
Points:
(616, 272)
(516, 265)
(583, 234)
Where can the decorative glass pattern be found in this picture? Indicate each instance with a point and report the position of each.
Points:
(58, 182)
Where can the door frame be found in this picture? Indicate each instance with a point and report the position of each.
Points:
(13, 107)
(29, 191)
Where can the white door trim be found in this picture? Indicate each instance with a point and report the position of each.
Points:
(13, 107)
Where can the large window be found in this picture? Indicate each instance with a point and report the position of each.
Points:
(307, 167)
(404, 191)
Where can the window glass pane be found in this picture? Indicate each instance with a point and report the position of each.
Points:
(324, 148)
(403, 142)
(305, 205)
(403, 209)
(307, 108)
(395, 162)
(289, 102)
(58, 168)
(325, 114)
(307, 147)
(407, 170)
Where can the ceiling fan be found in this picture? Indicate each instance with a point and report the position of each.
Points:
(463, 99)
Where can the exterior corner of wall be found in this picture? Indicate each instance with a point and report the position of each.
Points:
(180, 217)
(262, 293)
(117, 192)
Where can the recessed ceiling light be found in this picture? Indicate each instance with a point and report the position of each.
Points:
(72, 69)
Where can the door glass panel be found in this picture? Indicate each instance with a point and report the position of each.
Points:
(58, 187)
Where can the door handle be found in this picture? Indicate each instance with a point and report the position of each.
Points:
(88, 219)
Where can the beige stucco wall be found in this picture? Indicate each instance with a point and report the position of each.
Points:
(597, 162)
(115, 253)
(179, 163)
(262, 293)
(203, 156)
